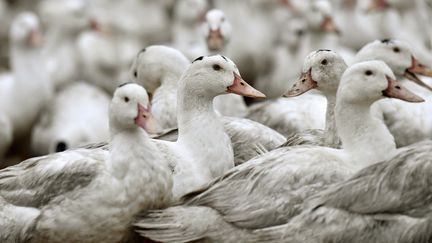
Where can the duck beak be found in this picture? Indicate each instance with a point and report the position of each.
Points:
(146, 120)
(94, 25)
(377, 5)
(34, 38)
(418, 68)
(328, 25)
(287, 3)
(302, 85)
(240, 87)
(97, 27)
(395, 90)
(215, 40)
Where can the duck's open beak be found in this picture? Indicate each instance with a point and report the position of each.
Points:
(302, 85)
(377, 5)
(146, 120)
(328, 25)
(418, 68)
(395, 90)
(240, 87)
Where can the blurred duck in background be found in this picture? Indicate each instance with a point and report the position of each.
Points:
(27, 88)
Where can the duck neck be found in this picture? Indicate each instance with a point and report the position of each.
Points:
(135, 168)
(130, 153)
(365, 138)
(200, 128)
(331, 136)
(196, 116)
(170, 78)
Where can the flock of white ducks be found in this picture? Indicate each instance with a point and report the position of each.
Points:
(216, 121)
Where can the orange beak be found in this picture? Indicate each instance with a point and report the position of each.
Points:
(377, 5)
(146, 121)
(287, 3)
(328, 25)
(240, 87)
(302, 85)
(418, 68)
(95, 26)
(34, 38)
(395, 90)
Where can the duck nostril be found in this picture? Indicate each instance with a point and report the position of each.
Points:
(61, 146)
(397, 87)
(304, 80)
(242, 83)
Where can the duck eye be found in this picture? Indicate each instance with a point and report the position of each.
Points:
(126, 99)
(217, 67)
(324, 62)
(396, 49)
(368, 72)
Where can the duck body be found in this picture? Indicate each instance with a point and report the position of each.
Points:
(290, 116)
(159, 68)
(28, 78)
(183, 156)
(70, 190)
(396, 114)
(65, 124)
(111, 223)
(374, 205)
(240, 200)
(100, 59)
(64, 21)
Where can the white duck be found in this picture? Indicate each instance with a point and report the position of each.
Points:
(101, 58)
(186, 31)
(250, 32)
(142, 21)
(158, 69)
(291, 116)
(385, 202)
(203, 150)
(294, 115)
(75, 117)
(287, 59)
(355, 25)
(63, 21)
(398, 115)
(132, 24)
(92, 196)
(322, 70)
(323, 30)
(217, 33)
(270, 190)
(411, 24)
(28, 78)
